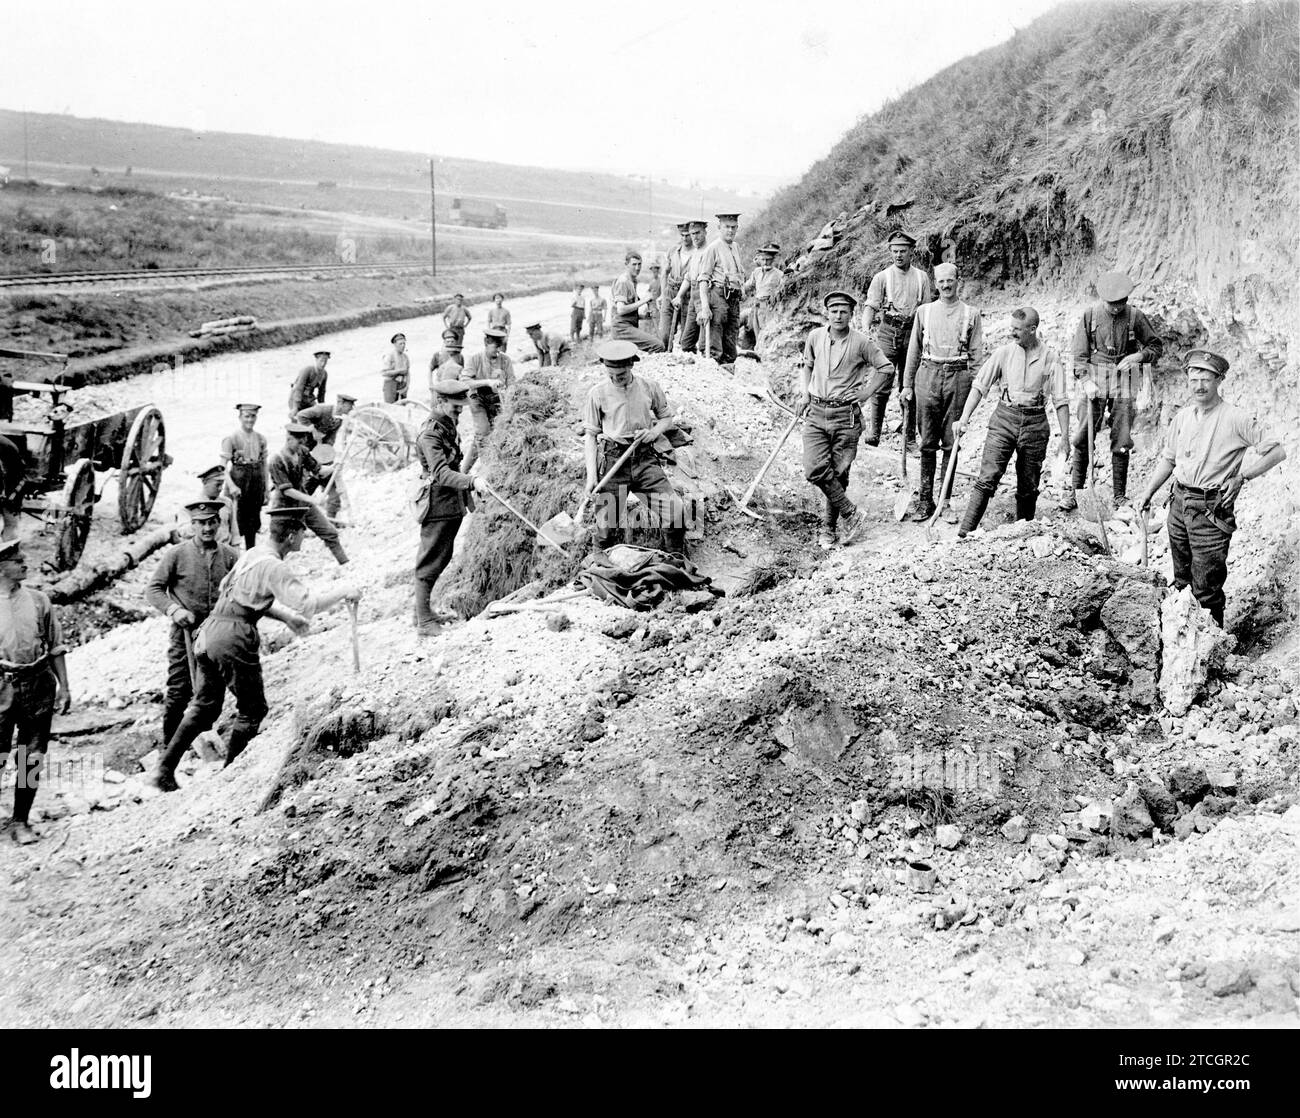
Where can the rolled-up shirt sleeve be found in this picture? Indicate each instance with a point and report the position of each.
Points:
(1055, 389)
(52, 631)
(290, 590)
(1254, 434)
(591, 418)
(988, 376)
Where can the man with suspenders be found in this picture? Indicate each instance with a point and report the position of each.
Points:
(892, 299)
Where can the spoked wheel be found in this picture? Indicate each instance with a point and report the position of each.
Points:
(140, 476)
(75, 511)
(375, 442)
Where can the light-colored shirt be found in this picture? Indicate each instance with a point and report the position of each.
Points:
(675, 268)
(620, 412)
(899, 293)
(1207, 448)
(260, 577)
(1027, 376)
(719, 263)
(499, 316)
(479, 367)
(765, 282)
(840, 369)
(942, 332)
(456, 316)
(244, 448)
(624, 291)
(597, 308)
(549, 347)
(28, 631)
(396, 364)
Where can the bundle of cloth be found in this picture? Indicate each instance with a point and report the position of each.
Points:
(639, 577)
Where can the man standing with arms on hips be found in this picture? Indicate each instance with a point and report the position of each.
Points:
(947, 337)
(33, 682)
(457, 317)
(720, 279)
(577, 312)
(1031, 377)
(839, 364)
(1112, 344)
(1204, 451)
(892, 299)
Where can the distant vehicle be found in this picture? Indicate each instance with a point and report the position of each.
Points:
(327, 184)
(472, 211)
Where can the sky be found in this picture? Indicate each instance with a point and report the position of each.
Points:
(744, 95)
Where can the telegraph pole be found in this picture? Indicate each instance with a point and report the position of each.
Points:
(433, 217)
(27, 171)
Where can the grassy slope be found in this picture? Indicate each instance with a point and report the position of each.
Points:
(1157, 136)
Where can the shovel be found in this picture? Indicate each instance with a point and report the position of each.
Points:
(904, 498)
(515, 512)
(356, 643)
(563, 528)
(1097, 511)
(945, 488)
(743, 502)
(1145, 539)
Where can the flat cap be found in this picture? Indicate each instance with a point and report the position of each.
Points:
(346, 398)
(771, 247)
(1113, 286)
(902, 237)
(1205, 359)
(534, 325)
(727, 217)
(458, 295)
(9, 549)
(248, 407)
(450, 336)
(614, 352)
(838, 297)
(451, 389)
(946, 270)
(299, 429)
(654, 265)
(321, 353)
(324, 454)
(682, 226)
(495, 332)
(698, 223)
(291, 514)
(393, 339)
(211, 471)
(203, 510)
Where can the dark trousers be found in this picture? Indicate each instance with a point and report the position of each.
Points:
(576, 315)
(941, 392)
(319, 523)
(1120, 408)
(1199, 547)
(230, 662)
(882, 386)
(670, 318)
(640, 474)
(830, 445)
(724, 326)
(691, 323)
(180, 685)
(459, 331)
(27, 724)
(1012, 430)
(626, 331)
(248, 505)
(437, 542)
(333, 501)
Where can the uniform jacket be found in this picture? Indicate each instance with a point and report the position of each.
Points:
(448, 489)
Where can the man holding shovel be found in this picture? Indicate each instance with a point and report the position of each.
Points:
(629, 412)
(443, 498)
(184, 588)
(1204, 451)
(839, 364)
(946, 337)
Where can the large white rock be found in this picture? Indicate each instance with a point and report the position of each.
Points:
(1192, 646)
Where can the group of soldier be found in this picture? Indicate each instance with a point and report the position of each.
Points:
(918, 337)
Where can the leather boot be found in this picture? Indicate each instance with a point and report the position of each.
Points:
(1025, 506)
(975, 506)
(1119, 476)
(925, 488)
(423, 611)
(1079, 468)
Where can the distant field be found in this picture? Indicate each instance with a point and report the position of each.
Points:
(394, 184)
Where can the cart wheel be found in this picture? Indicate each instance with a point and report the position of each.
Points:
(375, 443)
(140, 474)
(76, 509)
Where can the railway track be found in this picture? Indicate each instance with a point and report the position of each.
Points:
(57, 279)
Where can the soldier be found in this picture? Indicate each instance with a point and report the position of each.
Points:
(669, 317)
(577, 312)
(596, 313)
(457, 317)
(892, 299)
(247, 480)
(687, 298)
(720, 279)
(325, 421)
(494, 370)
(650, 312)
(947, 337)
(446, 361)
(13, 472)
(443, 499)
(33, 682)
(1204, 451)
(184, 588)
(764, 282)
(1112, 343)
(1031, 377)
(396, 371)
(498, 316)
(839, 365)
(620, 411)
(212, 482)
(550, 349)
(309, 386)
(261, 584)
(627, 308)
(290, 471)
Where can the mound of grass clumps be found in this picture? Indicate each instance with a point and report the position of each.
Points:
(529, 461)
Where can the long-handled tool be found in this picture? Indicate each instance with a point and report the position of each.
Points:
(909, 490)
(945, 489)
(563, 528)
(495, 609)
(356, 643)
(1092, 482)
(515, 512)
(743, 502)
(1146, 541)
(708, 338)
